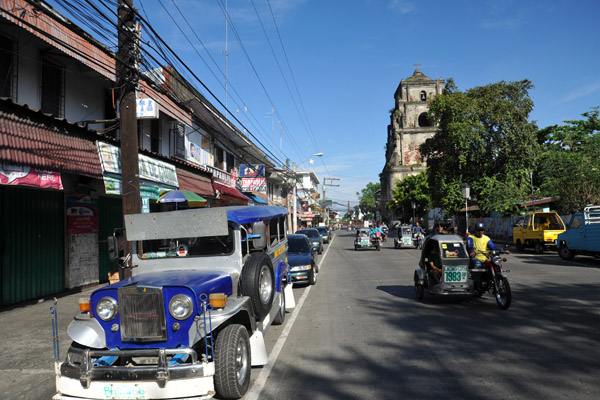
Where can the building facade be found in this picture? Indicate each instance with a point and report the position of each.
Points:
(409, 128)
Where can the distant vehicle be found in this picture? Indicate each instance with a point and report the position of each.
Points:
(324, 232)
(314, 236)
(582, 235)
(206, 286)
(301, 260)
(404, 237)
(364, 239)
(538, 230)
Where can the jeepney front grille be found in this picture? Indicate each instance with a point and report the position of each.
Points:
(142, 311)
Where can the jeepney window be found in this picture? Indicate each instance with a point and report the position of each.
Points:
(273, 235)
(453, 250)
(282, 230)
(527, 220)
(188, 247)
(576, 224)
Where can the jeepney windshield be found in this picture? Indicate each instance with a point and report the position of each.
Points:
(188, 247)
(453, 250)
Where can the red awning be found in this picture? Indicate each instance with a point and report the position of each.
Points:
(231, 194)
(198, 184)
(29, 137)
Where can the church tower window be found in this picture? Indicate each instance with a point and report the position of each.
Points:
(423, 95)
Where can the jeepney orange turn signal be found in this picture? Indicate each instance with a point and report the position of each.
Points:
(218, 300)
(84, 304)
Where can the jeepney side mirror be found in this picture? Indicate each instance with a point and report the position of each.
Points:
(113, 248)
(259, 228)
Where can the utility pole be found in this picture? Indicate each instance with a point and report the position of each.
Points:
(295, 200)
(325, 213)
(127, 81)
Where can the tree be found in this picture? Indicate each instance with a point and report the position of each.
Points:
(484, 139)
(570, 162)
(366, 198)
(412, 189)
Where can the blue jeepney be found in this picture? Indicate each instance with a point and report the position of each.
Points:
(205, 286)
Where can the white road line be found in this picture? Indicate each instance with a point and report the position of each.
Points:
(259, 384)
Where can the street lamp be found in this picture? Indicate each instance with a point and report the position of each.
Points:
(466, 191)
(294, 198)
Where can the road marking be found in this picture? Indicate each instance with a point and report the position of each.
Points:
(259, 384)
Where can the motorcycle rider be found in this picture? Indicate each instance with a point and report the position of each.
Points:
(384, 230)
(375, 231)
(417, 229)
(478, 246)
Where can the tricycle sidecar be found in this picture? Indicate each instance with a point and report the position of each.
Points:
(404, 237)
(453, 260)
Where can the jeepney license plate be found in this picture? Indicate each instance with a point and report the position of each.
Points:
(364, 242)
(455, 274)
(125, 391)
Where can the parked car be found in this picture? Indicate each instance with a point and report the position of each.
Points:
(538, 230)
(324, 232)
(582, 235)
(314, 236)
(199, 301)
(301, 260)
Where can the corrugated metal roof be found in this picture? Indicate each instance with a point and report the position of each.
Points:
(29, 137)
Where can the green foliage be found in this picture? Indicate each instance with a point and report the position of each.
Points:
(366, 198)
(570, 162)
(485, 140)
(413, 188)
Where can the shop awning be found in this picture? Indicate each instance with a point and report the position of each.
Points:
(29, 137)
(255, 199)
(230, 194)
(196, 183)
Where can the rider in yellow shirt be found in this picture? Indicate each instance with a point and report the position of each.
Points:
(478, 246)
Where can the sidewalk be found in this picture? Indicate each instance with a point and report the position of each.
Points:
(27, 366)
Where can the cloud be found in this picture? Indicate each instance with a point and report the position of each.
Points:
(580, 92)
(401, 6)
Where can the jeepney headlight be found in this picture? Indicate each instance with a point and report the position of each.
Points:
(107, 308)
(181, 307)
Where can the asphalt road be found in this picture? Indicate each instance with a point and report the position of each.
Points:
(359, 333)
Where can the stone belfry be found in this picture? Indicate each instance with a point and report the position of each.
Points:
(409, 127)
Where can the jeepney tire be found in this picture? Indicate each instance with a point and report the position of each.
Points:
(565, 253)
(258, 283)
(232, 362)
(519, 245)
(280, 317)
(538, 247)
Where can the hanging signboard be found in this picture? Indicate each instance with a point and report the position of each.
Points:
(149, 168)
(253, 185)
(82, 212)
(146, 109)
(11, 174)
(252, 171)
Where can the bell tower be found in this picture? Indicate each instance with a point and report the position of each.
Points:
(409, 128)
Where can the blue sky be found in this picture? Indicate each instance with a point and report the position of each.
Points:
(348, 57)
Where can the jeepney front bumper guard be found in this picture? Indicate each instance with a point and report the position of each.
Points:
(161, 372)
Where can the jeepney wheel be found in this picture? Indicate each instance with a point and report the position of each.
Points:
(565, 253)
(419, 289)
(538, 247)
(280, 317)
(232, 362)
(258, 283)
(519, 245)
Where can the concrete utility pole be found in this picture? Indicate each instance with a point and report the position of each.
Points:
(127, 81)
(325, 213)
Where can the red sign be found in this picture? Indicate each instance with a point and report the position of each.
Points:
(25, 175)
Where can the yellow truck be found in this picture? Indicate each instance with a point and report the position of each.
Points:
(538, 230)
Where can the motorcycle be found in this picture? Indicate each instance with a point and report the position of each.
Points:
(376, 240)
(418, 239)
(493, 279)
(386, 231)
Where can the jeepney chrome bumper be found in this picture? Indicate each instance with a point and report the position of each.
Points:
(191, 380)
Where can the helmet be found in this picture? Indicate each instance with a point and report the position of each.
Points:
(479, 226)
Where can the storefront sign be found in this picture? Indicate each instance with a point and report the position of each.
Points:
(222, 177)
(146, 109)
(149, 168)
(252, 171)
(24, 175)
(148, 190)
(254, 185)
(82, 212)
